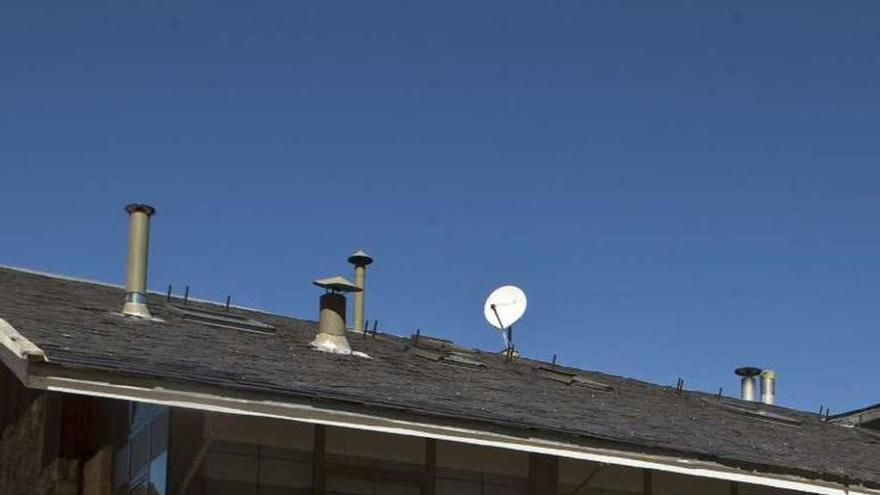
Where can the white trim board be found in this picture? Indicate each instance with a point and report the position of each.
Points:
(16, 351)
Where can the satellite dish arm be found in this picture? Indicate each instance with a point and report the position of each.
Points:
(507, 332)
(498, 317)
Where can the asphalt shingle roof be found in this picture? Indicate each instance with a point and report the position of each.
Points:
(76, 324)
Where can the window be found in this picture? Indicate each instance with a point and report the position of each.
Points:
(473, 470)
(590, 478)
(256, 456)
(365, 463)
(141, 465)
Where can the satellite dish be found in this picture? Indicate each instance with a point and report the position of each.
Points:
(505, 306)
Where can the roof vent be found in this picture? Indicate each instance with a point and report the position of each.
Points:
(223, 320)
(748, 374)
(449, 357)
(360, 260)
(136, 267)
(768, 387)
(331, 321)
(754, 411)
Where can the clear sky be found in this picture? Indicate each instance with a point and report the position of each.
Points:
(680, 187)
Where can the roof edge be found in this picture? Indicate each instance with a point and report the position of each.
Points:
(17, 352)
(308, 412)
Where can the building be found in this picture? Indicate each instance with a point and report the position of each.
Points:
(111, 390)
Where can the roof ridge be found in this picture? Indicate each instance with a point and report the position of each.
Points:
(121, 286)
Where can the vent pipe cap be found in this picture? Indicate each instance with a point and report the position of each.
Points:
(337, 284)
(360, 258)
(748, 374)
(748, 371)
(133, 207)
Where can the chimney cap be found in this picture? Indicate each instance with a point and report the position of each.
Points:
(337, 284)
(747, 371)
(133, 207)
(360, 258)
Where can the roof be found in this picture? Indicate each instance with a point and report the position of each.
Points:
(78, 327)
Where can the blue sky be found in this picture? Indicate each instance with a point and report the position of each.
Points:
(680, 187)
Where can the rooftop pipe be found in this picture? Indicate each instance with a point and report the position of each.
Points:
(331, 320)
(768, 387)
(136, 266)
(360, 260)
(748, 374)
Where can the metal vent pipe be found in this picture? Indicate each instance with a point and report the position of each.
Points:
(360, 260)
(331, 318)
(748, 375)
(136, 265)
(331, 324)
(768, 387)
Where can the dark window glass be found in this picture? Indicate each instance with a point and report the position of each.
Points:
(158, 474)
(142, 414)
(159, 434)
(140, 453)
(140, 466)
(257, 456)
(139, 489)
(469, 469)
(233, 466)
(120, 467)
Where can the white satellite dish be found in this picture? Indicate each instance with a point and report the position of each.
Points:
(505, 306)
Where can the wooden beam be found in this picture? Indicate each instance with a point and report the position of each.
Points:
(318, 471)
(647, 482)
(429, 485)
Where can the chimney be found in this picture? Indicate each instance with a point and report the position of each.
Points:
(331, 321)
(748, 375)
(136, 268)
(360, 260)
(768, 387)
